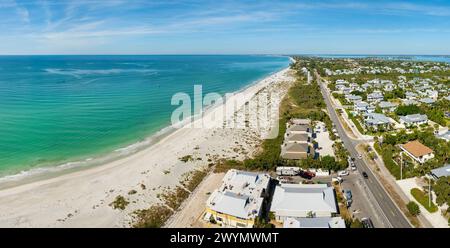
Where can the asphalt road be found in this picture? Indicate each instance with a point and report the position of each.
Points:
(386, 207)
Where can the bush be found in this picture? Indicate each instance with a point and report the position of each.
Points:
(119, 203)
(413, 208)
(154, 217)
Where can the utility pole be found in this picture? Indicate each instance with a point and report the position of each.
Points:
(429, 192)
(401, 165)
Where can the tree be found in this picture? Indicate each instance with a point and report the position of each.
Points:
(442, 190)
(407, 110)
(413, 208)
(328, 162)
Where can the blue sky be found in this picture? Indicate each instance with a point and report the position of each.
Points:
(224, 27)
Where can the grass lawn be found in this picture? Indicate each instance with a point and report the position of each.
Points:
(422, 198)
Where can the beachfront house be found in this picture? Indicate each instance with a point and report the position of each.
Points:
(417, 151)
(296, 151)
(413, 120)
(239, 200)
(303, 201)
(376, 121)
(387, 106)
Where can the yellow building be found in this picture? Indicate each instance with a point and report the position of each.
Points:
(239, 200)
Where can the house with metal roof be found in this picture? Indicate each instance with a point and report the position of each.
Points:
(417, 151)
(375, 96)
(353, 98)
(427, 100)
(302, 201)
(413, 120)
(445, 135)
(376, 121)
(387, 106)
(443, 171)
(239, 200)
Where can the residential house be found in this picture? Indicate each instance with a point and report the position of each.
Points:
(441, 172)
(296, 151)
(302, 201)
(239, 200)
(427, 100)
(353, 98)
(417, 151)
(413, 120)
(387, 106)
(376, 121)
(375, 96)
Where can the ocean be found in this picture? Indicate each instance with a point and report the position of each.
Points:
(58, 111)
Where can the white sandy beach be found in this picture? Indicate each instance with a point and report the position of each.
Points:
(82, 198)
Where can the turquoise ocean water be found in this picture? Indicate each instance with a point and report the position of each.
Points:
(60, 109)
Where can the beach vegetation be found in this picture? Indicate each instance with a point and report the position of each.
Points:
(119, 203)
(186, 158)
(174, 198)
(193, 179)
(153, 217)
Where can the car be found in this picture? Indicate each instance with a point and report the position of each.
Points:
(343, 173)
(307, 174)
(353, 167)
(365, 175)
(359, 156)
(367, 222)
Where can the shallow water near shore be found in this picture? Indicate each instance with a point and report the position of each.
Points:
(67, 110)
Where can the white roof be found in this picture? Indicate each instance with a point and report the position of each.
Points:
(240, 194)
(320, 222)
(294, 199)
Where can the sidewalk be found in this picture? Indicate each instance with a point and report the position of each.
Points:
(390, 183)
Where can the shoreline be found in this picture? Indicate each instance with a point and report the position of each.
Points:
(157, 167)
(58, 169)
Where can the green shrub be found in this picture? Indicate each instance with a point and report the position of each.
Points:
(413, 208)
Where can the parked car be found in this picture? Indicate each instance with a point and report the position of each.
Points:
(348, 197)
(307, 174)
(367, 223)
(365, 175)
(343, 173)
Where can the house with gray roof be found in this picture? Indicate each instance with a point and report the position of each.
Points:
(443, 171)
(238, 201)
(375, 96)
(413, 120)
(353, 98)
(387, 106)
(303, 200)
(427, 100)
(295, 151)
(376, 121)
